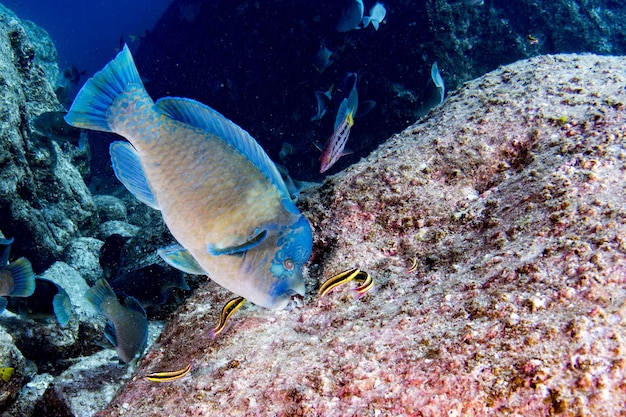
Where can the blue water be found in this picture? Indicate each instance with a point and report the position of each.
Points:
(87, 33)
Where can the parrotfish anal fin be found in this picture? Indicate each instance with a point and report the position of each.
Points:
(203, 117)
(181, 259)
(238, 249)
(127, 168)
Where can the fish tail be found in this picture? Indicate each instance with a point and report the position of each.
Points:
(62, 307)
(23, 278)
(3, 304)
(90, 108)
(98, 293)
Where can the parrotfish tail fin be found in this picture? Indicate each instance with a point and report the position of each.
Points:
(98, 293)
(89, 110)
(5, 251)
(62, 306)
(366, 21)
(23, 278)
(3, 304)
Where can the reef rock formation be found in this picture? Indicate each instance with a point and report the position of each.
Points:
(510, 197)
(44, 202)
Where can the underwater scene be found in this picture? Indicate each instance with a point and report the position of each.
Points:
(313, 208)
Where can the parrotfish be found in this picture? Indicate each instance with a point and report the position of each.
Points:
(334, 148)
(322, 58)
(434, 92)
(220, 195)
(351, 16)
(377, 15)
(127, 326)
(150, 285)
(48, 300)
(16, 278)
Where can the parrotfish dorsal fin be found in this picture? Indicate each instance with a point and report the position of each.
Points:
(127, 168)
(181, 259)
(203, 117)
(238, 249)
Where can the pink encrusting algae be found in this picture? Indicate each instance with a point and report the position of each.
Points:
(511, 196)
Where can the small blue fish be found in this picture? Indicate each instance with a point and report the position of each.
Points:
(48, 300)
(351, 16)
(127, 325)
(323, 99)
(17, 278)
(438, 81)
(434, 92)
(376, 17)
(220, 195)
(150, 285)
(322, 58)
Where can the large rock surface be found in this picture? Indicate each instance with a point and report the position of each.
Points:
(511, 198)
(44, 202)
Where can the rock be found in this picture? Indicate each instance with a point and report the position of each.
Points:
(110, 208)
(509, 198)
(30, 394)
(44, 202)
(10, 356)
(83, 255)
(119, 227)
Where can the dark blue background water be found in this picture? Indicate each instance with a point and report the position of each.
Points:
(87, 32)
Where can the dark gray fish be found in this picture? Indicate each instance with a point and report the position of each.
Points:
(111, 258)
(48, 300)
(150, 285)
(127, 325)
(52, 125)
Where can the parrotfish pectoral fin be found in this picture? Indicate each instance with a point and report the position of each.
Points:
(181, 259)
(62, 307)
(23, 278)
(89, 110)
(127, 168)
(239, 249)
(109, 333)
(203, 117)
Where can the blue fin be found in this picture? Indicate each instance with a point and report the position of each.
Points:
(23, 278)
(366, 107)
(98, 293)
(127, 168)
(89, 110)
(438, 80)
(203, 117)
(341, 113)
(4, 256)
(3, 304)
(62, 307)
(238, 249)
(181, 259)
(109, 333)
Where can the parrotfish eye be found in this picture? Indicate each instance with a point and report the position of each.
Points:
(288, 264)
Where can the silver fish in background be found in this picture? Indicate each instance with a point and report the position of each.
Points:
(220, 195)
(127, 325)
(16, 278)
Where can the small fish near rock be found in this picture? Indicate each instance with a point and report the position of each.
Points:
(48, 300)
(220, 195)
(16, 278)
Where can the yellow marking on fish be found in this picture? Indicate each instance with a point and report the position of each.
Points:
(227, 311)
(533, 40)
(413, 264)
(336, 280)
(6, 372)
(367, 284)
(169, 375)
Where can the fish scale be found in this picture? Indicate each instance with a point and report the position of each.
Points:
(220, 195)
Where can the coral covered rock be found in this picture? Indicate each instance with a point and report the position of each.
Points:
(44, 202)
(510, 199)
